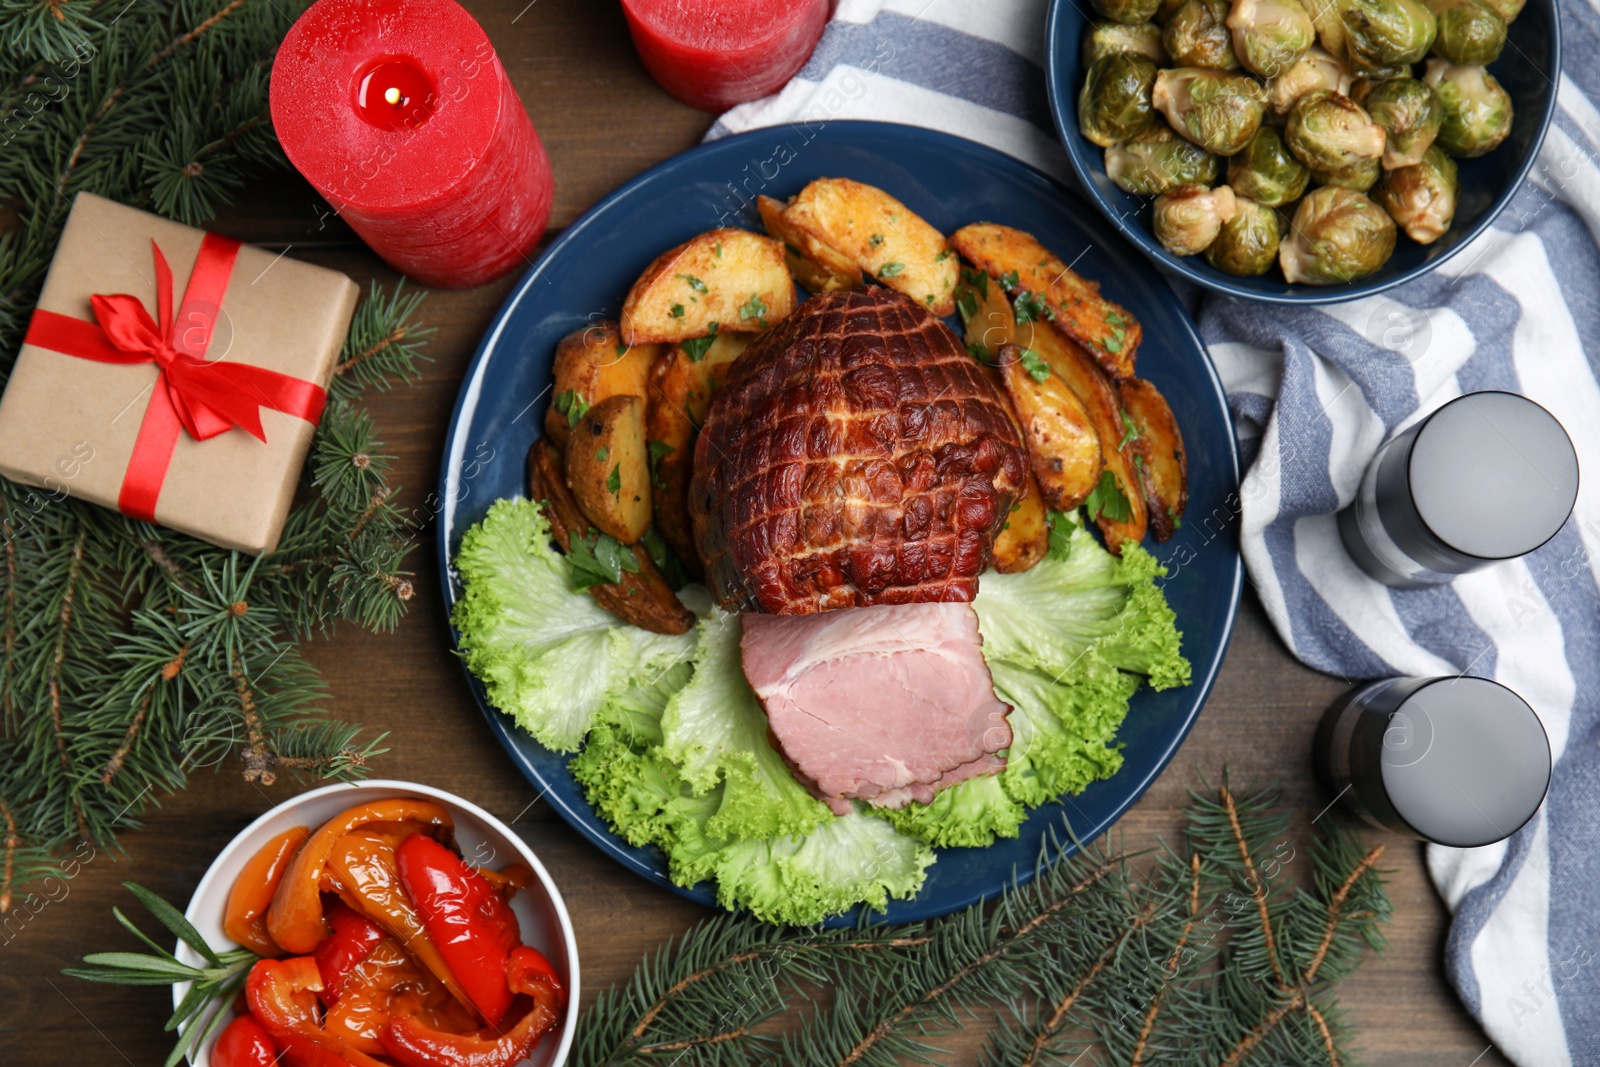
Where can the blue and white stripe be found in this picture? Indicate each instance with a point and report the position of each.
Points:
(1314, 392)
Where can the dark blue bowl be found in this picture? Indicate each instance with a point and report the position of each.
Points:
(1527, 69)
(586, 272)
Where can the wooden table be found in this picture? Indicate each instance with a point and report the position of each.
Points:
(603, 121)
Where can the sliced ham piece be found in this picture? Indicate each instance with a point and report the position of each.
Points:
(884, 704)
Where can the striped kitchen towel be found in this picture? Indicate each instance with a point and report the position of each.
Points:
(1314, 392)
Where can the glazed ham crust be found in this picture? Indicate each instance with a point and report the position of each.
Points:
(857, 455)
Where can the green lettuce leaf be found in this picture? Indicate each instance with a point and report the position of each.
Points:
(1048, 616)
(848, 860)
(1062, 730)
(715, 732)
(969, 814)
(549, 656)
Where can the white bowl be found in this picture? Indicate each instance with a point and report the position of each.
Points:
(483, 839)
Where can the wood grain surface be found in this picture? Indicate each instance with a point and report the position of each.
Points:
(603, 121)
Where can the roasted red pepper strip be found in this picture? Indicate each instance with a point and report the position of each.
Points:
(353, 939)
(282, 996)
(413, 1044)
(464, 915)
(244, 1043)
(295, 918)
(246, 917)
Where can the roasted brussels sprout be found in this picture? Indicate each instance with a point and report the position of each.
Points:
(1167, 9)
(1469, 31)
(1337, 236)
(1409, 112)
(1107, 38)
(1115, 101)
(1508, 10)
(1383, 34)
(1422, 198)
(1248, 242)
(1315, 70)
(1358, 176)
(1197, 36)
(1129, 11)
(1158, 161)
(1266, 172)
(1216, 110)
(1330, 133)
(1476, 110)
(1188, 219)
(1270, 35)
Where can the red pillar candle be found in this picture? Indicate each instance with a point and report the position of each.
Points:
(400, 114)
(713, 54)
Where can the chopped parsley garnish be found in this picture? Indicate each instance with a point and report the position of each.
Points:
(1115, 319)
(676, 311)
(1037, 368)
(890, 270)
(875, 240)
(571, 404)
(1061, 527)
(602, 454)
(599, 559)
(666, 560)
(1009, 280)
(717, 248)
(1030, 308)
(978, 279)
(1106, 500)
(614, 481)
(977, 352)
(1130, 432)
(622, 349)
(694, 283)
(754, 308)
(658, 451)
(697, 347)
(1177, 520)
(967, 304)
(942, 256)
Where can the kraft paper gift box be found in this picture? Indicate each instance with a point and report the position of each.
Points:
(119, 372)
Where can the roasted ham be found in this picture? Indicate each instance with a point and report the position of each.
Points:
(881, 704)
(856, 455)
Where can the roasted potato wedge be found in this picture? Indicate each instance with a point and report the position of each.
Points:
(813, 264)
(680, 391)
(724, 281)
(990, 321)
(642, 598)
(1162, 463)
(886, 240)
(608, 468)
(1084, 378)
(1064, 450)
(1069, 300)
(1025, 537)
(592, 364)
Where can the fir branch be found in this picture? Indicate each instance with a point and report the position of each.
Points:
(1093, 961)
(1257, 890)
(122, 644)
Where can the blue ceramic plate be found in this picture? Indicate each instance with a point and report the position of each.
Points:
(1526, 68)
(950, 182)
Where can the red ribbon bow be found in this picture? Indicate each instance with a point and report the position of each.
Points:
(201, 397)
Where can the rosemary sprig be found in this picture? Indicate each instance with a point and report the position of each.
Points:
(204, 1008)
